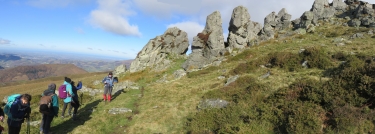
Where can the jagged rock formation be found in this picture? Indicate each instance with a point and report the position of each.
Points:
(339, 6)
(173, 42)
(359, 13)
(322, 10)
(274, 23)
(242, 31)
(208, 45)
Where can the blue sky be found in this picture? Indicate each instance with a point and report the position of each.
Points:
(117, 28)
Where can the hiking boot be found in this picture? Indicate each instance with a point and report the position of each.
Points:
(74, 117)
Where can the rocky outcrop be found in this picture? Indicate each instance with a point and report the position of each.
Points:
(120, 69)
(339, 6)
(274, 23)
(322, 10)
(359, 13)
(208, 45)
(154, 55)
(242, 31)
(362, 14)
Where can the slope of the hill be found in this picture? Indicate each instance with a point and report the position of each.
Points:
(331, 94)
(22, 73)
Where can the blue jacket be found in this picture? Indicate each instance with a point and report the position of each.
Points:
(76, 88)
(70, 91)
(18, 112)
(109, 81)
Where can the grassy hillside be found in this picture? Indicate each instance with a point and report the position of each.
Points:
(24, 73)
(333, 94)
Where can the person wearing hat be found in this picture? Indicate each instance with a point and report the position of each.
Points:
(71, 94)
(108, 86)
(48, 95)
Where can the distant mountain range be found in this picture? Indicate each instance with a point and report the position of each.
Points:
(22, 73)
(7, 57)
(90, 64)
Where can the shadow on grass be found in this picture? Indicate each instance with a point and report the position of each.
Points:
(69, 124)
(114, 96)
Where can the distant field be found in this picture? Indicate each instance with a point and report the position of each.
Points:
(36, 87)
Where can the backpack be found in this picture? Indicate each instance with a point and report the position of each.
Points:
(45, 104)
(62, 92)
(9, 103)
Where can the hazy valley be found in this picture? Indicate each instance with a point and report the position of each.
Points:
(88, 63)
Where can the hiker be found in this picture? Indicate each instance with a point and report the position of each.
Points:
(49, 107)
(108, 86)
(68, 99)
(1, 119)
(17, 111)
(75, 102)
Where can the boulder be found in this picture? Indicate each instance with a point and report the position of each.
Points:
(173, 44)
(119, 110)
(241, 29)
(357, 35)
(120, 69)
(339, 5)
(322, 9)
(208, 45)
(179, 73)
(212, 103)
(231, 80)
(274, 23)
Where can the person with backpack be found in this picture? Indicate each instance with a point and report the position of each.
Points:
(108, 86)
(1, 119)
(75, 102)
(49, 107)
(69, 98)
(17, 109)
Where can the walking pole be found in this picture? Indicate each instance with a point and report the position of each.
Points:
(28, 125)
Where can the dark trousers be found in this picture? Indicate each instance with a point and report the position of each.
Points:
(14, 130)
(74, 104)
(45, 125)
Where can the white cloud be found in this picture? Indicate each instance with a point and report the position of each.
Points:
(166, 8)
(112, 16)
(198, 12)
(191, 28)
(4, 42)
(56, 3)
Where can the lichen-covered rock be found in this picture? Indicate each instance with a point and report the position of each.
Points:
(212, 103)
(173, 43)
(120, 69)
(241, 29)
(208, 45)
(274, 23)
